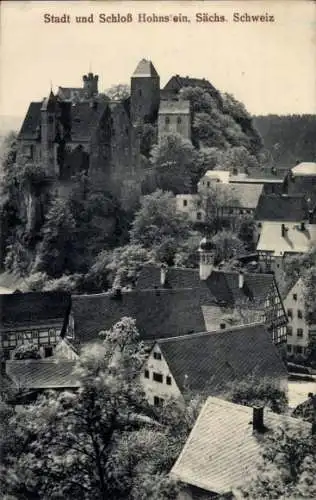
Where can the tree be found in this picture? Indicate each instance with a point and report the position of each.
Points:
(251, 392)
(57, 250)
(157, 225)
(289, 466)
(101, 441)
(227, 245)
(175, 164)
(118, 92)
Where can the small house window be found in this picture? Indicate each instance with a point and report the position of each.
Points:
(168, 380)
(157, 377)
(294, 296)
(185, 203)
(199, 203)
(300, 332)
(289, 348)
(289, 330)
(199, 216)
(290, 313)
(299, 314)
(157, 355)
(146, 373)
(167, 120)
(208, 184)
(158, 401)
(299, 349)
(179, 120)
(140, 93)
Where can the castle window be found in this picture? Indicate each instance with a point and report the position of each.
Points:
(185, 203)
(167, 120)
(179, 120)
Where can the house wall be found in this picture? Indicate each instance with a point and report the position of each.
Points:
(173, 123)
(297, 328)
(189, 204)
(158, 389)
(43, 336)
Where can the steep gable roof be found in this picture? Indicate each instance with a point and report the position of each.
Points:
(276, 207)
(145, 68)
(49, 373)
(223, 356)
(31, 122)
(295, 240)
(158, 313)
(222, 451)
(31, 308)
(177, 82)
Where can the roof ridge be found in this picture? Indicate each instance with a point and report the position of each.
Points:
(210, 332)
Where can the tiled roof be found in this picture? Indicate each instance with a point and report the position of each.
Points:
(276, 207)
(247, 195)
(222, 287)
(209, 361)
(42, 374)
(305, 168)
(158, 313)
(31, 121)
(84, 119)
(186, 81)
(174, 107)
(27, 308)
(222, 175)
(145, 68)
(294, 241)
(222, 450)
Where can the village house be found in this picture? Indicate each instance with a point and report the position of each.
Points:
(206, 363)
(39, 318)
(226, 298)
(220, 198)
(286, 227)
(223, 450)
(298, 327)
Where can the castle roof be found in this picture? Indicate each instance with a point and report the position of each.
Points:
(85, 117)
(31, 121)
(177, 82)
(223, 356)
(145, 68)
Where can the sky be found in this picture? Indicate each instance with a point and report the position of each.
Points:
(269, 66)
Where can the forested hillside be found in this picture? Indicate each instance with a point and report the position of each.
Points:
(287, 138)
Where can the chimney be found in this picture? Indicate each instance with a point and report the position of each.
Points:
(257, 418)
(163, 274)
(241, 280)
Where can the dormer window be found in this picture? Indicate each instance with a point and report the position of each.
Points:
(157, 355)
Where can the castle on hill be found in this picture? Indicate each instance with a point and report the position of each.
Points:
(79, 129)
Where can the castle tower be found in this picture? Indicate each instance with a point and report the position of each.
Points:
(48, 133)
(145, 93)
(207, 254)
(90, 85)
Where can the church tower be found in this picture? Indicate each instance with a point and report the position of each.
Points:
(145, 93)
